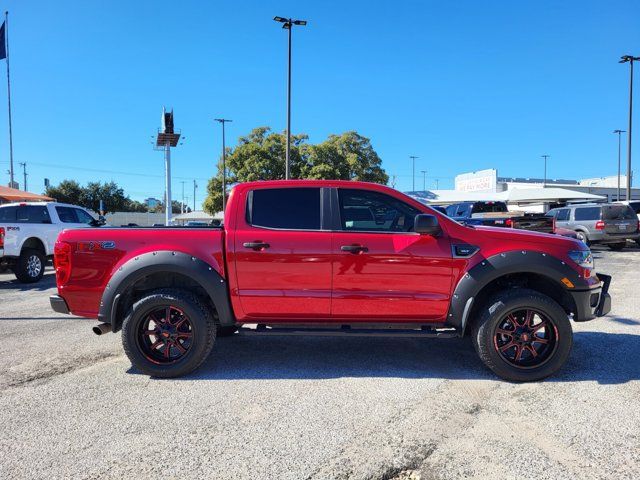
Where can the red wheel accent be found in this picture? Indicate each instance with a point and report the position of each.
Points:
(525, 338)
(165, 335)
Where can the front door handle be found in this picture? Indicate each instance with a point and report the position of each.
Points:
(354, 248)
(256, 245)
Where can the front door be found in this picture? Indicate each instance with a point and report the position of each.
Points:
(382, 269)
(283, 256)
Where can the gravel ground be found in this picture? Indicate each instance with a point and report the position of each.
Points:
(315, 408)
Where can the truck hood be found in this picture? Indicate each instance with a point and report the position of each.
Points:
(501, 233)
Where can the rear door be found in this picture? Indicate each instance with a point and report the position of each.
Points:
(282, 255)
(585, 219)
(381, 268)
(619, 219)
(34, 222)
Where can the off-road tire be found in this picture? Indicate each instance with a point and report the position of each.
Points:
(202, 323)
(616, 247)
(26, 268)
(494, 311)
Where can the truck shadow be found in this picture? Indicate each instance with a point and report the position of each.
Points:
(607, 358)
(9, 282)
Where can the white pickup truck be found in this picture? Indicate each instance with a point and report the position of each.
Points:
(28, 233)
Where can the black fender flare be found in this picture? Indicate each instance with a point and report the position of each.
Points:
(164, 261)
(496, 266)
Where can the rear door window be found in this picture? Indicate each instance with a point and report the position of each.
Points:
(618, 212)
(587, 213)
(32, 214)
(285, 208)
(8, 214)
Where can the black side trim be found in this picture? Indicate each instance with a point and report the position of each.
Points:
(58, 304)
(165, 262)
(515, 261)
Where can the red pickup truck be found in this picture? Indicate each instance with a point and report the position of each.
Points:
(327, 258)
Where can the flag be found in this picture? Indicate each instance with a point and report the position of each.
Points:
(3, 43)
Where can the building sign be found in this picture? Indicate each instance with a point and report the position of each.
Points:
(481, 181)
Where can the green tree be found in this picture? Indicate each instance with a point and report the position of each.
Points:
(260, 156)
(68, 191)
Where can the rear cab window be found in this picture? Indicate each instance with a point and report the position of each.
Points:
(489, 207)
(8, 214)
(284, 208)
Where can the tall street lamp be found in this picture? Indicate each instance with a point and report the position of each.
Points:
(544, 184)
(630, 59)
(222, 121)
(424, 180)
(287, 24)
(619, 132)
(413, 162)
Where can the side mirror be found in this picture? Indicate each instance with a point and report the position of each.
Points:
(426, 224)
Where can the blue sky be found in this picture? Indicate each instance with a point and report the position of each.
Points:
(464, 85)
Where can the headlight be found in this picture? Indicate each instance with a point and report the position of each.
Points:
(582, 258)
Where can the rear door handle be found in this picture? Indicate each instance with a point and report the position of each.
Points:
(354, 248)
(256, 245)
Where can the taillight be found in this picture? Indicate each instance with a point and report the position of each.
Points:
(1, 237)
(599, 225)
(508, 222)
(62, 262)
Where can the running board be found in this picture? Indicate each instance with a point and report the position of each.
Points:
(348, 331)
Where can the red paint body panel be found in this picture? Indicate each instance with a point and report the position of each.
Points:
(304, 275)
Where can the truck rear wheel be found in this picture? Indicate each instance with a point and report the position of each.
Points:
(29, 267)
(168, 333)
(522, 335)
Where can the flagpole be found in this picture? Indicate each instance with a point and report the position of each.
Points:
(6, 36)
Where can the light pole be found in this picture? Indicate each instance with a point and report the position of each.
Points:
(287, 24)
(413, 161)
(424, 180)
(224, 164)
(630, 59)
(195, 185)
(619, 132)
(544, 183)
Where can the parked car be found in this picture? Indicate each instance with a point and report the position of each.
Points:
(496, 214)
(331, 257)
(634, 204)
(611, 224)
(28, 232)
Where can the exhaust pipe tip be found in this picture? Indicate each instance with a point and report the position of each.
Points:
(102, 328)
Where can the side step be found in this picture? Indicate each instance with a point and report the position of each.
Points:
(349, 331)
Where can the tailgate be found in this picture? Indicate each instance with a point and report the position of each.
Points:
(536, 223)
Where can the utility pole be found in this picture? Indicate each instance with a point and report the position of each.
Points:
(182, 199)
(619, 132)
(5, 27)
(413, 159)
(224, 164)
(544, 184)
(630, 59)
(424, 180)
(24, 174)
(195, 185)
(287, 24)
(436, 184)
(393, 181)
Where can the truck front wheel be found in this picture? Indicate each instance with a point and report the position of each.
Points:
(522, 335)
(168, 333)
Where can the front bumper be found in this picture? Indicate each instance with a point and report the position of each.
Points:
(58, 304)
(593, 303)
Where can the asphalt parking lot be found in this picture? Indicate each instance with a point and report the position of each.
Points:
(315, 408)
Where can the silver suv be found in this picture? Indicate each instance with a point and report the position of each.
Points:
(611, 224)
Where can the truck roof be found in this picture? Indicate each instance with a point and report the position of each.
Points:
(55, 204)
